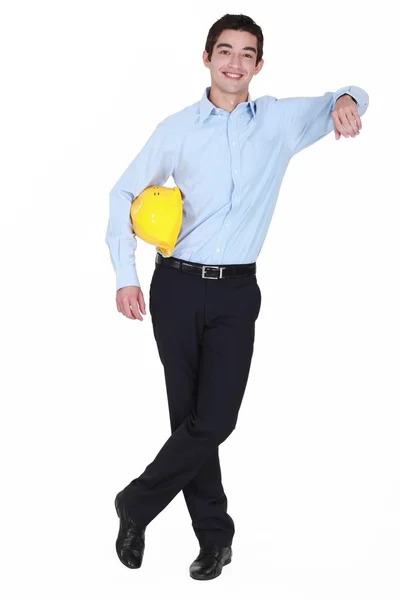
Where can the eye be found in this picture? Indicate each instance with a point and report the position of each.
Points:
(247, 55)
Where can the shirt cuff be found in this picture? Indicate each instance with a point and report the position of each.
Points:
(360, 96)
(127, 276)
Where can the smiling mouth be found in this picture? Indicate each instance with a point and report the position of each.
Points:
(233, 77)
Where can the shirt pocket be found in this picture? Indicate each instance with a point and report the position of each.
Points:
(257, 152)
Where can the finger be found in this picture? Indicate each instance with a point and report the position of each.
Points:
(125, 309)
(134, 311)
(358, 119)
(338, 124)
(337, 133)
(132, 315)
(345, 123)
(350, 122)
(142, 304)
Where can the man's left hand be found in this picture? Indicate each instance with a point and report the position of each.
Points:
(346, 119)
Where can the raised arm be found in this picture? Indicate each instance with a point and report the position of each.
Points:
(305, 120)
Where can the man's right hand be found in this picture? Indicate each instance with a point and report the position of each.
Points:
(131, 295)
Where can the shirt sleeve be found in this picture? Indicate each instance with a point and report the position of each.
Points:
(152, 166)
(305, 120)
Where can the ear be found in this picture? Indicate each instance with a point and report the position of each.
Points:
(259, 67)
(205, 59)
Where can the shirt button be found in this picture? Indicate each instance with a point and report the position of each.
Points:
(233, 143)
(218, 249)
(236, 171)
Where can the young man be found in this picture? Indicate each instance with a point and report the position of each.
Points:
(228, 155)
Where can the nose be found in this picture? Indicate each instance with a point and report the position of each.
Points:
(235, 62)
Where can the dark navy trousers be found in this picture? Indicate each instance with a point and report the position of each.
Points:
(204, 330)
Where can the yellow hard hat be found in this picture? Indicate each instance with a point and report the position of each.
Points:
(156, 215)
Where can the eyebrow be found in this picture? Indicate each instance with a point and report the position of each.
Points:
(230, 46)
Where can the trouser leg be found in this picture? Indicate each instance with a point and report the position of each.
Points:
(204, 494)
(205, 338)
(207, 504)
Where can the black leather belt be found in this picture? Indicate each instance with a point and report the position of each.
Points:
(207, 271)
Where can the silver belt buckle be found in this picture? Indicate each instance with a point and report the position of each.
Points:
(203, 268)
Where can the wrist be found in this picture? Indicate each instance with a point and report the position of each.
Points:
(354, 100)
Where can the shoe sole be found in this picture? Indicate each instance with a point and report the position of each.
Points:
(206, 578)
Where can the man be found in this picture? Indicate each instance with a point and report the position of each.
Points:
(228, 155)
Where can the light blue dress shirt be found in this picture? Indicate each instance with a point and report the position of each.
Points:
(229, 168)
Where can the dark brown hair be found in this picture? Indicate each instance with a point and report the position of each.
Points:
(239, 23)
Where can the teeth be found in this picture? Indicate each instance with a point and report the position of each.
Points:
(232, 75)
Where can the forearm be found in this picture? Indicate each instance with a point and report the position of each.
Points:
(121, 240)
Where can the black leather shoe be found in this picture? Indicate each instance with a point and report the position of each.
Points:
(130, 540)
(210, 561)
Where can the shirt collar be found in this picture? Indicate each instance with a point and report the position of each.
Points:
(206, 106)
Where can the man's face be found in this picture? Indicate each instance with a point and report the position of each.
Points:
(234, 52)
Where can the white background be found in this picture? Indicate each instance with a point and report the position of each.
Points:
(312, 470)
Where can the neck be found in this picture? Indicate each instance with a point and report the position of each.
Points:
(227, 101)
